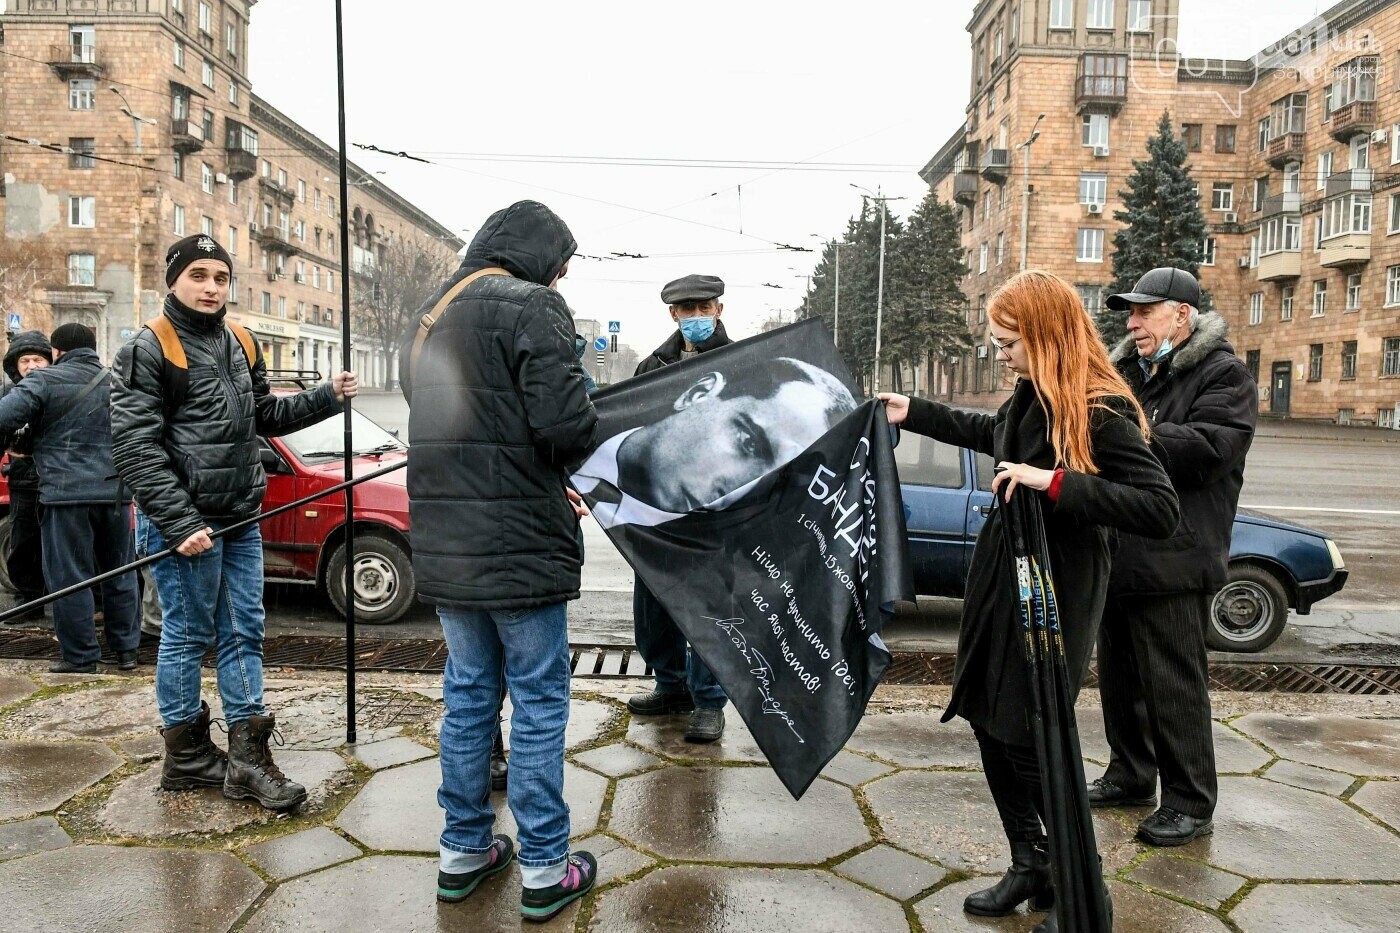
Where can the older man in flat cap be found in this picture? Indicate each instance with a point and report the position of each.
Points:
(683, 682)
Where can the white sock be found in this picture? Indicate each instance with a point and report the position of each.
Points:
(543, 876)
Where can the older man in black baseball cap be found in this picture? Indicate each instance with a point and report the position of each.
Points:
(1152, 654)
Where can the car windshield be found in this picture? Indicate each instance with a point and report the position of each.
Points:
(325, 440)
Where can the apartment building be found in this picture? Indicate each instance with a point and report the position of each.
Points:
(1291, 151)
(131, 123)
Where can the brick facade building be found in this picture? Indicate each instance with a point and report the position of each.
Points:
(147, 129)
(1296, 153)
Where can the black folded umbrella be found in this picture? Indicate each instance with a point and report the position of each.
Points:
(1081, 900)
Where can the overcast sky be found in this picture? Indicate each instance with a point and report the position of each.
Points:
(873, 88)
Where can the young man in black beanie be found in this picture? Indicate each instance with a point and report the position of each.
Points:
(190, 400)
(86, 521)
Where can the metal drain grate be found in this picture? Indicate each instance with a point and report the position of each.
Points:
(909, 668)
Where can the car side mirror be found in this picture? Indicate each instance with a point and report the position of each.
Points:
(271, 461)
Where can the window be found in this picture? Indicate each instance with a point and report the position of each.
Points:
(1256, 308)
(1292, 177)
(1319, 298)
(1327, 104)
(266, 169)
(81, 94)
(82, 40)
(232, 191)
(1100, 14)
(1015, 21)
(1208, 251)
(1288, 114)
(231, 39)
(982, 258)
(1360, 152)
(179, 54)
(177, 167)
(1261, 191)
(1392, 286)
(1191, 135)
(179, 220)
(1349, 213)
(82, 210)
(1093, 187)
(986, 204)
(1095, 129)
(233, 93)
(206, 226)
(315, 276)
(992, 99)
(996, 46)
(1353, 292)
(300, 275)
(330, 280)
(1001, 248)
(1314, 362)
(267, 303)
(204, 18)
(1061, 14)
(1254, 251)
(1286, 305)
(1395, 143)
(1251, 363)
(1091, 296)
(330, 206)
(301, 190)
(208, 125)
(206, 178)
(1090, 245)
(330, 243)
(1264, 135)
(282, 306)
(316, 200)
(282, 178)
(1390, 356)
(1354, 81)
(82, 269)
(1281, 233)
(81, 151)
(233, 289)
(299, 230)
(1139, 15)
(1324, 169)
(1224, 138)
(1222, 196)
(232, 243)
(208, 73)
(1349, 359)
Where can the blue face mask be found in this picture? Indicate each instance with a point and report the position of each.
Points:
(696, 330)
(1162, 351)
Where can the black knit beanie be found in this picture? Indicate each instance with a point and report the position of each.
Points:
(73, 336)
(190, 249)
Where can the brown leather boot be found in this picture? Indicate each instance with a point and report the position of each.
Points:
(252, 774)
(191, 758)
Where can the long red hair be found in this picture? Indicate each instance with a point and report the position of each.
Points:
(1068, 363)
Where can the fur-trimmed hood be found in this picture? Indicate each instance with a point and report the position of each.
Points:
(1209, 335)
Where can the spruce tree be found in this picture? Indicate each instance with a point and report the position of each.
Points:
(1163, 223)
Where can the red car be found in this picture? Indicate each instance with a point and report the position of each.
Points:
(307, 545)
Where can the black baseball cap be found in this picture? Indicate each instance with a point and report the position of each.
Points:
(1159, 285)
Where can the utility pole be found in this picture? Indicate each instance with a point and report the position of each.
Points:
(880, 280)
(1026, 187)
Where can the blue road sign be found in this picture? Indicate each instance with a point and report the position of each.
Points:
(600, 344)
(12, 321)
(614, 327)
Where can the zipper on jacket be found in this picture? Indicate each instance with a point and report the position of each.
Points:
(224, 378)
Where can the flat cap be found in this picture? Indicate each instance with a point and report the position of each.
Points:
(1159, 285)
(692, 288)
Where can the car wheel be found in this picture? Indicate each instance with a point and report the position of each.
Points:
(1249, 612)
(385, 587)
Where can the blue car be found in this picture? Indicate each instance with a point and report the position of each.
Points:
(1273, 566)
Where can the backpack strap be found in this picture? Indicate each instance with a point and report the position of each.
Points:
(177, 365)
(426, 322)
(245, 339)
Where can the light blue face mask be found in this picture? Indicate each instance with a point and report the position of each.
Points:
(1162, 351)
(696, 330)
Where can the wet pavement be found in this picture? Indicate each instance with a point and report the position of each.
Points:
(896, 832)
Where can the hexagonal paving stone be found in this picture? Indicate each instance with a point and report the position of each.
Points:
(299, 853)
(1381, 799)
(892, 872)
(1268, 830)
(139, 808)
(851, 769)
(943, 815)
(1133, 909)
(313, 717)
(617, 759)
(917, 740)
(396, 751)
(398, 810)
(101, 888)
(1190, 880)
(15, 687)
(393, 893)
(39, 776)
(1234, 754)
(941, 912)
(665, 735)
(1341, 743)
(109, 713)
(37, 835)
(1308, 908)
(735, 815)
(744, 900)
(1297, 774)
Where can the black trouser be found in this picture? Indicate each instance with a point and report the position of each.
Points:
(1156, 704)
(81, 541)
(1013, 775)
(25, 561)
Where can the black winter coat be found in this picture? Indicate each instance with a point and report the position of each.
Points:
(73, 448)
(497, 406)
(200, 462)
(670, 351)
(1203, 405)
(1130, 492)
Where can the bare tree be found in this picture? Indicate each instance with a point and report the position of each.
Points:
(25, 267)
(390, 293)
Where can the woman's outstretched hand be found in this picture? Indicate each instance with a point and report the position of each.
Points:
(896, 406)
(1020, 474)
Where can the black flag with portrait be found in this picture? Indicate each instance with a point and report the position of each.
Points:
(757, 498)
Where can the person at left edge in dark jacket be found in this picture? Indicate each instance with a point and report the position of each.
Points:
(26, 352)
(1073, 432)
(86, 517)
(683, 682)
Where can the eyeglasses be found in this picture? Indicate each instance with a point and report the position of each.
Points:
(1003, 346)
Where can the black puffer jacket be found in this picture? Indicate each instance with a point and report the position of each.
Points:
(497, 405)
(670, 351)
(20, 443)
(1203, 405)
(200, 462)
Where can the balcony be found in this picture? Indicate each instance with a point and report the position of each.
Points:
(186, 136)
(965, 188)
(242, 164)
(1277, 267)
(1289, 147)
(1353, 119)
(1101, 85)
(1349, 249)
(273, 239)
(1356, 179)
(285, 195)
(76, 61)
(1290, 202)
(996, 164)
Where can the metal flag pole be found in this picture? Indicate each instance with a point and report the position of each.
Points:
(345, 366)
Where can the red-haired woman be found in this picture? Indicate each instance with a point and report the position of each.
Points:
(1072, 431)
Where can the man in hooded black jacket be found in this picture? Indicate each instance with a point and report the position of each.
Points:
(498, 406)
(27, 351)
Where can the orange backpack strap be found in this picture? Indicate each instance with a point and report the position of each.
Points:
(426, 323)
(170, 346)
(245, 340)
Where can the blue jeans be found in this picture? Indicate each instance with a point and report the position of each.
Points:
(214, 598)
(678, 669)
(534, 646)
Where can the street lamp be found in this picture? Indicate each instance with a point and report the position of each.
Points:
(1026, 186)
(880, 280)
(135, 117)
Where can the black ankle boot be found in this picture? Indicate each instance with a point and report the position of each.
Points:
(1028, 879)
(500, 768)
(191, 758)
(252, 774)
